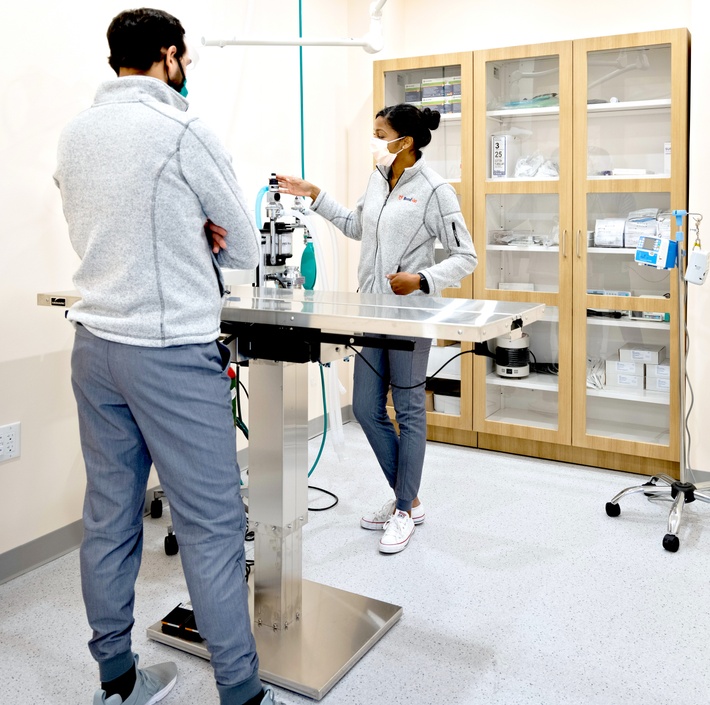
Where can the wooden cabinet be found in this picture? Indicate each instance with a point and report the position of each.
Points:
(576, 150)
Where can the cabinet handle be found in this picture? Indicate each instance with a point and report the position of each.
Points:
(564, 243)
(579, 243)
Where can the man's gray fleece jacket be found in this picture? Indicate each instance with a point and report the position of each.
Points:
(139, 179)
(399, 229)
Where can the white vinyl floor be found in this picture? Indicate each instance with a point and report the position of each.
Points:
(517, 590)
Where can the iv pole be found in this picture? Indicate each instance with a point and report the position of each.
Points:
(372, 42)
(682, 491)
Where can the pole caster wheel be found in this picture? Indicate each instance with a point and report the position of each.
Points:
(612, 510)
(671, 543)
(171, 544)
(156, 508)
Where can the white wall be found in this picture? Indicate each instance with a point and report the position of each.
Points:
(52, 56)
(699, 201)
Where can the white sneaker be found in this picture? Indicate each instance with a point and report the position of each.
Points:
(398, 531)
(375, 521)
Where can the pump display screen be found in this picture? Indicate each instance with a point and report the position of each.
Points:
(647, 243)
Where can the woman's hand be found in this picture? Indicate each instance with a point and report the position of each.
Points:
(297, 187)
(404, 283)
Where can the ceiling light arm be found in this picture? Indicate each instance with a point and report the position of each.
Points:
(372, 42)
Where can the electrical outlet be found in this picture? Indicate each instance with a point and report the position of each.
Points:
(9, 441)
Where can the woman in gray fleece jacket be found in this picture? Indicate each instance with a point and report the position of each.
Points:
(406, 208)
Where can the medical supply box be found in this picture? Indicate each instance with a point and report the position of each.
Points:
(624, 381)
(614, 366)
(658, 384)
(661, 370)
(642, 352)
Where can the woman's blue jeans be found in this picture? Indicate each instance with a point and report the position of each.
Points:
(401, 456)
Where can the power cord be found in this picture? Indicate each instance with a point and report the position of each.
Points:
(413, 386)
(329, 493)
(249, 562)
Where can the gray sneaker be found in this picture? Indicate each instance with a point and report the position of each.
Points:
(152, 685)
(270, 697)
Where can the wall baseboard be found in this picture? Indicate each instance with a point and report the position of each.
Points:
(56, 544)
(36, 553)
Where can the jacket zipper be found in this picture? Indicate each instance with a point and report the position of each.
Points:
(377, 225)
(456, 237)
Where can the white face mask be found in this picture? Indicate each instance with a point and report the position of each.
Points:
(382, 155)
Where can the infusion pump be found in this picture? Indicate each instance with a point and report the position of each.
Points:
(658, 252)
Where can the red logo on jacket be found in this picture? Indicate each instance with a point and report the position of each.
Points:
(408, 198)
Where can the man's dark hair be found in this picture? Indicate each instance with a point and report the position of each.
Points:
(138, 38)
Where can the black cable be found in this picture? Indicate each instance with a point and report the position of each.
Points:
(591, 313)
(248, 562)
(413, 386)
(237, 404)
(239, 400)
(330, 494)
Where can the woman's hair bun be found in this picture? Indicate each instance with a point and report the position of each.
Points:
(431, 118)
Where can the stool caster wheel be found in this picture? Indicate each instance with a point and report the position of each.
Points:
(156, 508)
(171, 544)
(671, 543)
(649, 484)
(613, 510)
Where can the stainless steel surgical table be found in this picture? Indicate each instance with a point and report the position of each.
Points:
(309, 635)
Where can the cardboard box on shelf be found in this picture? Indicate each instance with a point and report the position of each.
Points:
(658, 384)
(615, 366)
(663, 369)
(642, 352)
(623, 381)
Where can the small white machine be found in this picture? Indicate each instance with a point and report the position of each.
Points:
(513, 355)
(697, 268)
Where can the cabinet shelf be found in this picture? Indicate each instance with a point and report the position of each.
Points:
(628, 432)
(523, 248)
(661, 105)
(525, 417)
(628, 323)
(540, 382)
(507, 113)
(611, 250)
(637, 395)
(518, 179)
(627, 177)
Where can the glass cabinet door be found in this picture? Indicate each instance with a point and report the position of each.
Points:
(437, 88)
(629, 112)
(630, 116)
(523, 220)
(523, 118)
(529, 396)
(629, 381)
(522, 242)
(615, 224)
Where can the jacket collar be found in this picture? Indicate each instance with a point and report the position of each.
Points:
(139, 88)
(409, 173)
